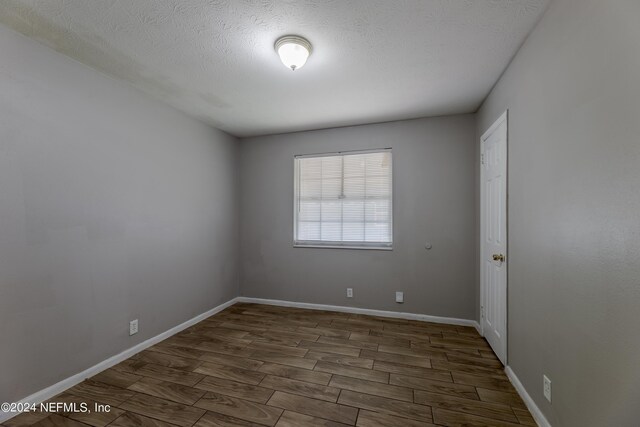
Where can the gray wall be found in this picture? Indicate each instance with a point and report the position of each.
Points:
(434, 188)
(573, 95)
(112, 207)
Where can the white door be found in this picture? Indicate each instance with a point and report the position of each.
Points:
(493, 237)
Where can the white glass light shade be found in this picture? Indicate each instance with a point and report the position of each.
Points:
(293, 51)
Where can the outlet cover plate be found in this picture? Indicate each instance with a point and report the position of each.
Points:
(400, 297)
(349, 292)
(546, 387)
(133, 327)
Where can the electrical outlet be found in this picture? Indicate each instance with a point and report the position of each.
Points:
(546, 388)
(349, 292)
(133, 327)
(400, 297)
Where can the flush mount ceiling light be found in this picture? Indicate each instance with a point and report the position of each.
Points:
(293, 51)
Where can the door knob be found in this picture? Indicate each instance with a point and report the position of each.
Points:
(498, 257)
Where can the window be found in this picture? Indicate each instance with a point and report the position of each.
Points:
(344, 200)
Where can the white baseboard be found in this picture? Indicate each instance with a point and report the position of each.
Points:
(536, 413)
(356, 310)
(63, 385)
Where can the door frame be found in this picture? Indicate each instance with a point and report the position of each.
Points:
(503, 118)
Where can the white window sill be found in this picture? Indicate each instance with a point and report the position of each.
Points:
(329, 246)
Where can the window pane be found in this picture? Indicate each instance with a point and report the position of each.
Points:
(309, 230)
(331, 188)
(378, 186)
(311, 189)
(354, 165)
(310, 168)
(375, 232)
(377, 211)
(309, 210)
(353, 211)
(353, 232)
(331, 211)
(354, 187)
(331, 231)
(331, 167)
(344, 198)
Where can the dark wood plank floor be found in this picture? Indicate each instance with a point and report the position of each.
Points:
(254, 365)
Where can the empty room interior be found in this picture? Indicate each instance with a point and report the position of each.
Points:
(319, 213)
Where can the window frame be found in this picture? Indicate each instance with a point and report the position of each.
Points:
(319, 244)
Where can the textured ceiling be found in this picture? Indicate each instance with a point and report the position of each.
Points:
(373, 60)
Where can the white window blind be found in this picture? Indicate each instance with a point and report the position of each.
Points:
(344, 200)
